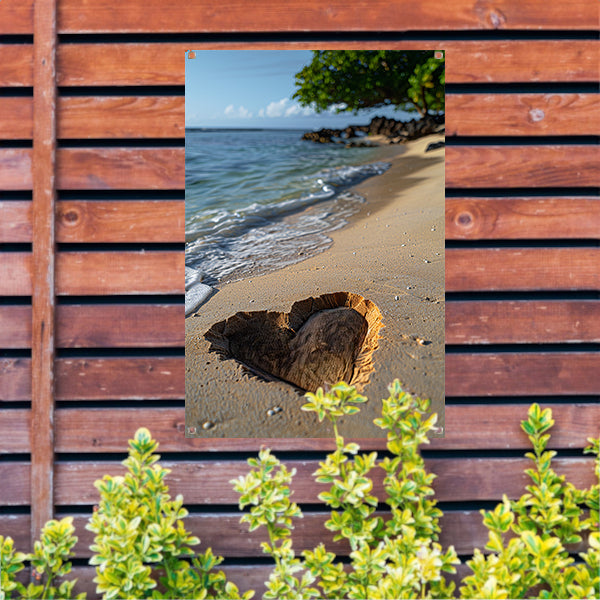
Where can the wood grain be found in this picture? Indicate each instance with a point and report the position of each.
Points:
(100, 273)
(120, 168)
(522, 61)
(16, 16)
(100, 221)
(522, 374)
(43, 299)
(522, 218)
(16, 65)
(15, 221)
(16, 271)
(163, 116)
(149, 378)
(132, 325)
(15, 436)
(107, 273)
(16, 118)
(522, 114)
(522, 269)
(89, 117)
(208, 482)
(523, 321)
(120, 221)
(15, 379)
(196, 16)
(224, 533)
(15, 166)
(120, 378)
(522, 166)
(466, 61)
(15, 326)
(84, 326)
(467, 427)
(16, 483)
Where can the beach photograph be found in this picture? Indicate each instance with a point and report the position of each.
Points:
(314, 190)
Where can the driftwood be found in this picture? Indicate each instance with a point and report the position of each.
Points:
(319, 342)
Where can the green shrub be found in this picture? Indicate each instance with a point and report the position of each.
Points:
(49, 560)
(141, 548)
(400, 557)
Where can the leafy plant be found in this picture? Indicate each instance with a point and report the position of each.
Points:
(535, 560)
(142, 549)
(49, 560)
(400, 557)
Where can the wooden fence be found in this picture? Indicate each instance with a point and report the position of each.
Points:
(92, 230)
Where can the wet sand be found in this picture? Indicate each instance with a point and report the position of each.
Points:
(391, 253)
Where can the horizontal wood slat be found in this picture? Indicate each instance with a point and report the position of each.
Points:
(15, 221)
(521, 322)
(195, 16)
(522, 269)
(224, 533)
(522, 374)
(121, 117)
(16, 270)
(522, 166)
(15, 326)
(466, 61)
(121, 221)
(467, 427)
(124, 378)
(16, 16)
(105, 273)
(99, 221)
(522, 114)
(120, 168)
(100, 273)
(15, 166)
(376, 15)
(84, 326)
(522, 218)
(15, 428)
(16, 65)
(163, 116)
(466, 167)
(209, 482)
(16, 118)
(100, 168)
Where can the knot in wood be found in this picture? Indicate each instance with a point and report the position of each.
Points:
(465, 218)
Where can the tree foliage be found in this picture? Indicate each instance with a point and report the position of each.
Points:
(351, 80)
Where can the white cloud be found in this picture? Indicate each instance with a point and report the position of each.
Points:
(239, 112)
(285, 108)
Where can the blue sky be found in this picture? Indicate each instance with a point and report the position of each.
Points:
(254, 88)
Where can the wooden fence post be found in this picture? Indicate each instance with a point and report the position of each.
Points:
(43, 299)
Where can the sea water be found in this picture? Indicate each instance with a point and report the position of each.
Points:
(257, 200)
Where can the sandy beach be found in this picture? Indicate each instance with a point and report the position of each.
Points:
(392, 253)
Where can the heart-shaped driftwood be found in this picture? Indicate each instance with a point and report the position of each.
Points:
(319, 342)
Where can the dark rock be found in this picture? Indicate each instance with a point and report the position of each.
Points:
(435, 146)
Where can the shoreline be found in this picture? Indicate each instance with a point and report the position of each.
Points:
(393, 247)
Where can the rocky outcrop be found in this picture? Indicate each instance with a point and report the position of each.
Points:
(395, 132)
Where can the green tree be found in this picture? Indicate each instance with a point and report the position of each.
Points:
(351, 80)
